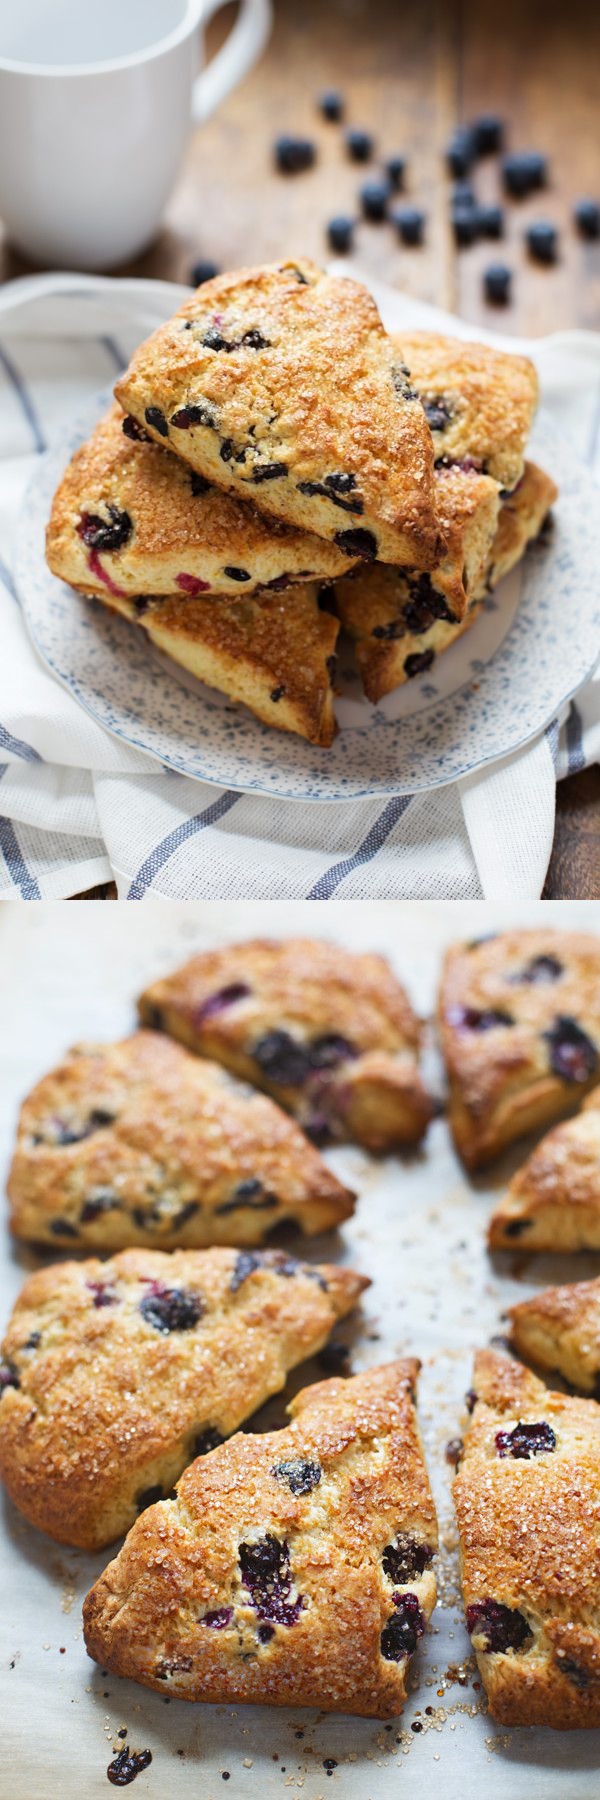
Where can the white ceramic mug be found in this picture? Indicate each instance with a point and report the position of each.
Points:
(97, 99)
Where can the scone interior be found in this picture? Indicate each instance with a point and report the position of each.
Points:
(329, 1034)
(117, 1374)
(559, 1330)
(294, 1567)
(281, 383)
(553, 1201)
(479, 403)
(129, 518)
(527, 1498)
(519, 1018)
(139, 1142)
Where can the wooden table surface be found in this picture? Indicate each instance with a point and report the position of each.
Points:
(410, 70)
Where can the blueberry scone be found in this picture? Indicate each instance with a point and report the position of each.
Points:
(141, 1143)
(293, 1568)
(116, 1374)
(479, 403)
(527, 1498)
(129, 519)
(519, 1018)
(553, 1201)
(559, 1329)
(329, 1034)
(400, 620)
(281, 384)
(274, 653)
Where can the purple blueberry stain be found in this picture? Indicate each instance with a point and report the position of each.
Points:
(401, 1634)
(572, 1055)
(407, 1557)
(539, 970)
(102, 1294)
(217, 1003)
(473, 1018)
(525, 1441)
(218, 1619)
(300, 1475)
(501, 1627)
(171, 1309)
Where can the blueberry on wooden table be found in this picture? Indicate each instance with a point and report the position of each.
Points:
(460, 152)
(542, 241)
(203, 271)
(463, 194)
(523, 171)
(488, 134)
(374, 197)
(464, 225)
(410, 224)
(490, 221)
(331, 105)
(586, 214)
(340, 232)
(359, 145)
(294, 154)
(496, 283)
(395, 168)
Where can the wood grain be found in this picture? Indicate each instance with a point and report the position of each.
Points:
(409, 73)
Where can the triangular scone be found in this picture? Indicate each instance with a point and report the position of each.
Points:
(140, 1143)
(281, 385)
(115, 1374)
(553, 1201)
(559, 1329)
(130, 517)
(527, 1498)
(293, 1568)
(330, 1034)
(274, 653)
(400, 620)
(479, 403)
(519, 1017)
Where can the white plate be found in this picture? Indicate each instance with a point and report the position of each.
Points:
(535, 643)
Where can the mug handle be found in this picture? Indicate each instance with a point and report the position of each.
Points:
(235, 59)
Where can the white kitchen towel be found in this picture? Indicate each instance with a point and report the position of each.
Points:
(77, 807)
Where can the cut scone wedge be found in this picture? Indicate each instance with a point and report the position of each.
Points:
(400, 620)
(140, 1143)
(281, 385)
(479, 403)
(129, 518)
(329, 1034)
(553, 1201)
(116, 1374)
(294, 1567)
(559, 1330)
(519, 1019)
(274, 653)
(527, 1498)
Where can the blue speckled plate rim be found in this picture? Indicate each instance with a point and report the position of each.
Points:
(74, 431)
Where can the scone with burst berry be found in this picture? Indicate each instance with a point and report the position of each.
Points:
(527, 1498)
(559, 1329)
(329, 1034)
(114, 1375)
(280, 384)
(140, 1143)
(553, 1201)
(479, 403)
(519, 1018)
(293, 1568)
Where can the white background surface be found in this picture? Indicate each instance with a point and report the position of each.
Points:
(71, 972)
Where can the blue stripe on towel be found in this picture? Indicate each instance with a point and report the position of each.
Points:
(15, 862)
(374, 841)
(162, 853)
(116, 355)
(17, 746)
(21, 390)
(576, 758)
(7, 580)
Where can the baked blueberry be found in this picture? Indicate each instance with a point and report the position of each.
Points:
(106, 534)
(171, 1309)
(496, 283)
(357, 543)
(473, 1018)
(539, 970)
(294, 154)
(502, 1628)
(406, 1558)
(299, 1475)
(131, 428)
(410, 224)
(401, 1634)
(282, 1058)
(542, 241)
(525, 1441)
(265, 1570)
(571, 1053)
(419, 663)
(359, 145)
(340, 232)
(157, 420)
(127, 1765)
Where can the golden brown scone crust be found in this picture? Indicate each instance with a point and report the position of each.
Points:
(519, 1020)
(111, 1403)
(350, 1069)
(553, 1201)
(140, 1143)
(325, 1599)
(176, 537)
(325, 396)
(530, 1542)
(399, 620)
(274, 653)
(491, 398)
(559, 1329)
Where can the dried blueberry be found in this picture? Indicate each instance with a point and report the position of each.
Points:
(172, 1309)
(374, 197)
(227, 996)
(525, 1441)
(331, 105)
(359, 145)
(357, 543)
(572, 1055)
(103, 534)
(540, 969)
(127, 1765)
(410, 224)
(203, 271)
(269, 472)
(157, 420)
(301, 1477)
(587, 218)
(282, 1059)
(496, 283)
(132, 429)
(405, 1558)
(340, 232)
(187, 416)
(277, 693)
(218, 1618)
(207, 1440)
(473, 1018)
(502, 1628)
(418, 663)
(265, 1569)
(294, 155)
(400, 1636)
(542, 241)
